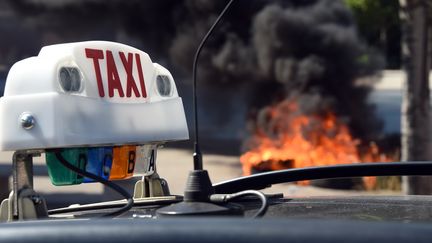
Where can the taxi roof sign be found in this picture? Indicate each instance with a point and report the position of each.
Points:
(86, 94)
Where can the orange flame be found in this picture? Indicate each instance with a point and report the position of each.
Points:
(305, 141)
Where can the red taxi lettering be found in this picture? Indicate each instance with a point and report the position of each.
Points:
(141, 76)
(113, 78)
(96, 55)
(130, 83)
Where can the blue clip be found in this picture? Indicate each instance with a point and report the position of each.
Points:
(99, 162)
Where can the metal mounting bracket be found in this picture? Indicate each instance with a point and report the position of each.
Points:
(23, 202)
(151, 185)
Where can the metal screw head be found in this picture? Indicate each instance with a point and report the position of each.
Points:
(36, 199)
(27, 120)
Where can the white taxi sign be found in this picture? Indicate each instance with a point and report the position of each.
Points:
(86, 94)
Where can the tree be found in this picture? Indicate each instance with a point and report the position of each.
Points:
(378, 23)
(416, 117)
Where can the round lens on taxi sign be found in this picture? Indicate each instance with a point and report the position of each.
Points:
(163, 84)
(70, 79)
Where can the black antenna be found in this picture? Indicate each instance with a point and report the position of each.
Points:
(197, 155)
(196, 200)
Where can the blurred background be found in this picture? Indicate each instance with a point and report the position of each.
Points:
(329, 54)
(281, 84)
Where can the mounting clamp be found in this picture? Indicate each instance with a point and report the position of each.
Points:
(151, 185)
(23, 202)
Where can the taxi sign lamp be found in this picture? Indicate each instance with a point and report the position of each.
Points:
(97, 101)
(93, 93)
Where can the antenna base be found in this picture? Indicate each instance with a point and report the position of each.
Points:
(198, 187)
(200, 209)
(196, 199)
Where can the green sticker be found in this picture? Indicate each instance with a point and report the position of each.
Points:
(62, 176)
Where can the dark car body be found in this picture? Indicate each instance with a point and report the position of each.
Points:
(313, 219)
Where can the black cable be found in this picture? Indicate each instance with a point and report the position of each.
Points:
(197, 152)
(222, 198)
(110, 184)
(263, 180)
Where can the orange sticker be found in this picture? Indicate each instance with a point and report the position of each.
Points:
(123, 163)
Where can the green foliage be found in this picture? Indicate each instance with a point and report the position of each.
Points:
(378, 23)
(363, 59)
(375, 14)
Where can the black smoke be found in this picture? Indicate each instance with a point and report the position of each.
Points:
(304, 50)
(307, 49)
(316, 53)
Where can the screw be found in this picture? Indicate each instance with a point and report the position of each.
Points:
(27, 120)
(36, 199)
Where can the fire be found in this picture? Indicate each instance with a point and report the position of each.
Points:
(291, 139)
